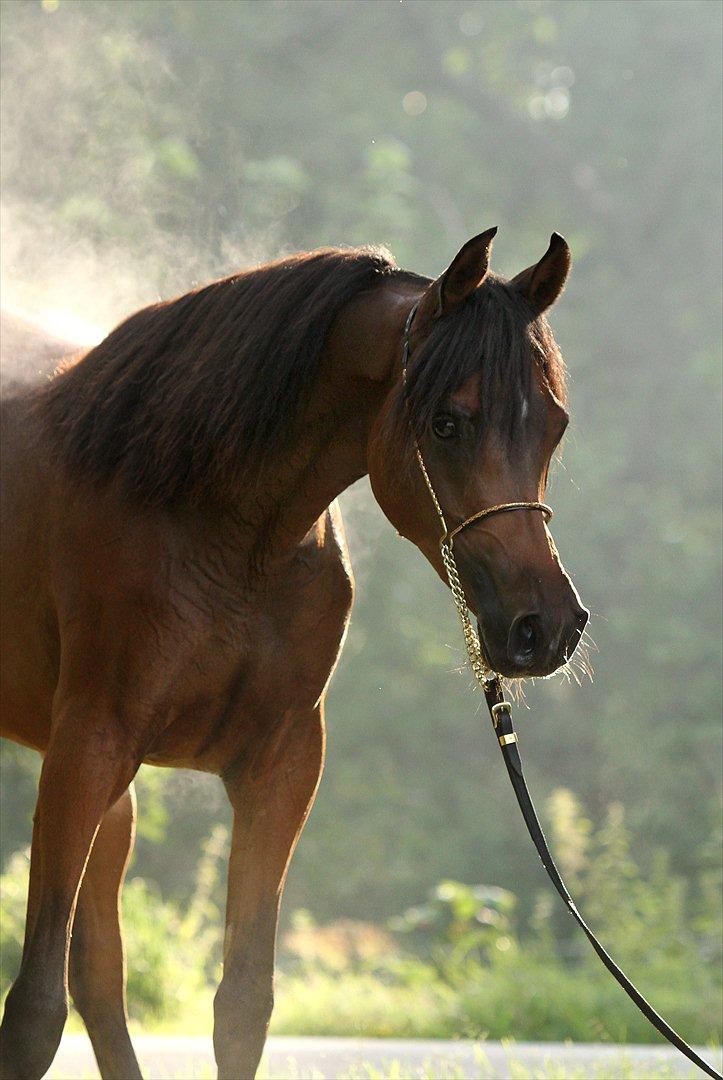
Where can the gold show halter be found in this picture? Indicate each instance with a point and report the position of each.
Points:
(482, 671)
(501, 714)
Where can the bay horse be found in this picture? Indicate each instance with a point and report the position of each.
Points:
(177, 587)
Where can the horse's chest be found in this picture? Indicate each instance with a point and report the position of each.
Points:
(237, 684)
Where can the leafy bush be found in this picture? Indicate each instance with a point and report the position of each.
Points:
(344, 945)
(164, 973)
(14, 898)
(173, 955)
(460, 921)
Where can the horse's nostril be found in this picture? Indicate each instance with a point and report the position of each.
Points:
(523, 639)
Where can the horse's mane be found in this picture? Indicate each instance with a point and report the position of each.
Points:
(496, 335)
(185, 390)
(189, 394)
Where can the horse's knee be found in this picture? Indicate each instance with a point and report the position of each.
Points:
(32, 1026)
(242, 1011)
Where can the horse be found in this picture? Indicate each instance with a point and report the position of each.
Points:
(177, 586)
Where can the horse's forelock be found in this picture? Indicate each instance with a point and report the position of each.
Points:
(494, 337)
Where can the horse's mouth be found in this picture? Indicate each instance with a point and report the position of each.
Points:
(529, 667)
(489, 658)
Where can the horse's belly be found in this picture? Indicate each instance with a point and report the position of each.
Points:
(25, 722)
(28, 677)
(29, 658)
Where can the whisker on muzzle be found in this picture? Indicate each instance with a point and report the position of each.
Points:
(579, 665)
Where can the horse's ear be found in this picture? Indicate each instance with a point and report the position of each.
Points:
(464, 274)
(542, 283)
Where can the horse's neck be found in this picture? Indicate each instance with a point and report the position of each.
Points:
(361, 364)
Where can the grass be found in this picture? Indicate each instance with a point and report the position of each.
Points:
(622, 1070)
(519, 998)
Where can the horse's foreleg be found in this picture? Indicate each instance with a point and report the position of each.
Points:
(88, 765)
(97, 963)
(271, 798)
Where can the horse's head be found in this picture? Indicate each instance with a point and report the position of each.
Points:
(485, 399)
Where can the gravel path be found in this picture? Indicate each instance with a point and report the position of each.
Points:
(182, 1057)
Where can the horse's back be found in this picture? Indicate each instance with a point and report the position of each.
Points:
(28, 352)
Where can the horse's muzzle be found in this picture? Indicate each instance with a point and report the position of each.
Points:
(538, 642)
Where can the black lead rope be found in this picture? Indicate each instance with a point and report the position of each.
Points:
(501, 713)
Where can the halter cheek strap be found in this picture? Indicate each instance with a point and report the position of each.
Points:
(480, 667)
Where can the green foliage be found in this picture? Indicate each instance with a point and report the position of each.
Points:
(521, 997)
(14, 895)
(173, 955)
(459, 922)
(164, 976)
(19, 771)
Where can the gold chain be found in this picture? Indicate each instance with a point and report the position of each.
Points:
(481, 669)
(482, 672)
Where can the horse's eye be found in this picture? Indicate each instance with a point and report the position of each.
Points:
(444, 427)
